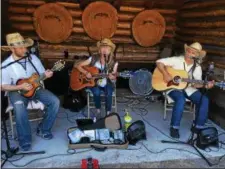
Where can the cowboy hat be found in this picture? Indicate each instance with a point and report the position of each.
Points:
(16, 40)
(106, 42)
(197, 47)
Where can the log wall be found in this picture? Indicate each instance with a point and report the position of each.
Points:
(204, 21)
(79, 43)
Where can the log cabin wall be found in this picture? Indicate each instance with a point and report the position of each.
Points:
(22, 13)
(204, 22)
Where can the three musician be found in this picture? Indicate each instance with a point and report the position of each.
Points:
(16, 67)
(24, 67)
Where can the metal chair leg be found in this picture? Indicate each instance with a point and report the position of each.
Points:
(115, 104)
(165, 107)
(11, 124)
(88, 104)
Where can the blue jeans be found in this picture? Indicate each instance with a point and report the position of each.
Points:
(201, 108)
(20, 103)
(108, 91)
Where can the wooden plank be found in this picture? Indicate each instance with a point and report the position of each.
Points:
(216, 24)
(201, 32)
(69, 5)
(21, 18)
(21, 10)
(27, 2)
(206, 13)
(203, 40)
(203, 4)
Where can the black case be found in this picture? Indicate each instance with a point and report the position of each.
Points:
(112, 122)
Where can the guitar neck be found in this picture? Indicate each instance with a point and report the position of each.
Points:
(199, 81)
(103, 75)
(193, 81)
(42, 76)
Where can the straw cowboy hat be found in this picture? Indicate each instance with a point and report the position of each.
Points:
(16, 40)
(106, 42)
(197, 47)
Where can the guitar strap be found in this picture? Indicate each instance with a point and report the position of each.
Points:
(191, 70)
(3, 67)
(18, 62)
(33, 66)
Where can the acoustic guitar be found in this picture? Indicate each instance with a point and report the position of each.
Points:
(79, 80)
(180, 80)
(35, 80)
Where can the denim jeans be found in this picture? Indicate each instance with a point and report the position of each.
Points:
(108, 91)
(179, 103)
(20, 103)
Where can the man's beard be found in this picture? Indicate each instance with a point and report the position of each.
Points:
(20, 55)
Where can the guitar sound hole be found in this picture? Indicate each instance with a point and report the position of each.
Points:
(176, 80)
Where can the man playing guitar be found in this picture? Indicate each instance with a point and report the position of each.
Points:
(187, 63)
(104, 61)
(16, 67)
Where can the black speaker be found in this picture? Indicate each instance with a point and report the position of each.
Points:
(207, 137)
(135, 132)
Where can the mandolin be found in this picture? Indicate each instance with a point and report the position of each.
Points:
(180, 80)
(35, 80)
(79, 81)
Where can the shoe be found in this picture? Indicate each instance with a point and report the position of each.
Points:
(195, 130)
(26, 147)
(46, 136)
(174, 132)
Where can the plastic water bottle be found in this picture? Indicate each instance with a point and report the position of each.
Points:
(127, 120)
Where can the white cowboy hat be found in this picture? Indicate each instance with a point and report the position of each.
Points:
(16, 40)
(198, 47)
(106, 42)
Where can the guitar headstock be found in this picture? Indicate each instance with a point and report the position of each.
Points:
(221, 85)
(126, 74)
(59, 65)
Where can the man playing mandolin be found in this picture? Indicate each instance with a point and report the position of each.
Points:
(104, 61)
(188, 63)
(16, 67)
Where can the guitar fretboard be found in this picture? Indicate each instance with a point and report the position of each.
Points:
(200, 82)
(193, 81)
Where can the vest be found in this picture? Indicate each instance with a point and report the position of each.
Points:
(96, 58)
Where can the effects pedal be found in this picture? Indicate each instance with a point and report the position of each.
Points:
(89, 163)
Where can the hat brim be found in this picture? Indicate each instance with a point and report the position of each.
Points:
(112, 45)
(202, 53)
(27, 43)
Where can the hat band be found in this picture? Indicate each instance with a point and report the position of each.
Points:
(18, 43)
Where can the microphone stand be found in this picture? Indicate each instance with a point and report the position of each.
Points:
(106, 92)
(191, 141)
(11, 151)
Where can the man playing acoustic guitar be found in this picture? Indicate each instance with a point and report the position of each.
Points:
(104, 61)
(188, 63)
(16, 67)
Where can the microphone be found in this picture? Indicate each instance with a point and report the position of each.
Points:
(211, 68)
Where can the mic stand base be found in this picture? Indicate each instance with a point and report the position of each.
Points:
(10, 152)
(190, 142)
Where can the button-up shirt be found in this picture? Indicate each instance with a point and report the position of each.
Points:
(15, 71)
